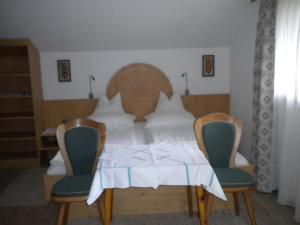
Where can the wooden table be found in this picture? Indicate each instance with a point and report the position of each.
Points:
(108, 205)
(144, 166)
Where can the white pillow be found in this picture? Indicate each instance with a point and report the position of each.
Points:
(172, 105)
(160, 119)
(114, 120)
(162, 97)
(57, 160)
(112, 106)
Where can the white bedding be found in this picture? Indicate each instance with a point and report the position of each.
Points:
(139, 135)
(135, 136)
(173, 134)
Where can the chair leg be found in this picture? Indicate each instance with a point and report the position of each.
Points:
(249, 206)
(236, 203)
(66, 213)
(190, 200)
(201, 205)
(61, 214)
(101, 210)
(112, 204)
(107, 207)
(196, 195)
(209, 201)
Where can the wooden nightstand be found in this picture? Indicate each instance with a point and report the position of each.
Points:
(49, 146)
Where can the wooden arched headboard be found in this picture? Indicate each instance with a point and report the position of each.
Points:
(140, 85)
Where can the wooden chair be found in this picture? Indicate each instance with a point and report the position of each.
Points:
(218, 137)
(81, 142)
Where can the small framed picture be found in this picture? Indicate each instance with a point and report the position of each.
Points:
(208, 65)
(64, 70)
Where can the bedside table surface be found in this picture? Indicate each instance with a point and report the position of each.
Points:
(49, 132)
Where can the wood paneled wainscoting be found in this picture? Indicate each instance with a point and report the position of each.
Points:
(57, 111)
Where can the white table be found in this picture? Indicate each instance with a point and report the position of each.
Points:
(123, 166)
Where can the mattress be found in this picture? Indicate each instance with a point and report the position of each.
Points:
(139, 135)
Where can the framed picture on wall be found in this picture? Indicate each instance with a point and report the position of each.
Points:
(208, 65)
(64, 70)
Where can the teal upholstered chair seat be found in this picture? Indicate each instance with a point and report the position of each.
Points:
(234, 178)
(73, 186)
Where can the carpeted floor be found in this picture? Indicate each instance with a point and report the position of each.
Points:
(16, 184)
(25, 190)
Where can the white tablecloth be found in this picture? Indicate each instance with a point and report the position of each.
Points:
(123, 166)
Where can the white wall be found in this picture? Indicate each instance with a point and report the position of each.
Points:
(104, 64)
(242, 52)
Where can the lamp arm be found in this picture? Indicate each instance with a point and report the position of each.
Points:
(186, 81)
(90, 84)
(92, 78)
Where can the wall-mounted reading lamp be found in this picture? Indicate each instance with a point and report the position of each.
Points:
(91, 78)
(187, 91)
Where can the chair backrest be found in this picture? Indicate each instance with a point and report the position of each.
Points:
(218, 136)
(81, 141)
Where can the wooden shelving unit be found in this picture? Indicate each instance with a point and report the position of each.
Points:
(49, 145)
(20, 104)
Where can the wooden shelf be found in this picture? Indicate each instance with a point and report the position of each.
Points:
(14, 75)
(17, 136)
(18, 155)
(14, 96)
(14, 50)
(15, 116)
(12, 151)
(49, 145)
(49, 132)
(49, 148)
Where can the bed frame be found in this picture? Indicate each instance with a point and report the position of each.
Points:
(140, 85)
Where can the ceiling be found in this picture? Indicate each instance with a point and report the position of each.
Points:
(83, 25)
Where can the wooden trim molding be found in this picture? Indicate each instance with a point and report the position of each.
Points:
(57, 111)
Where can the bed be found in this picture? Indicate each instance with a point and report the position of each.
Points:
(140, 86)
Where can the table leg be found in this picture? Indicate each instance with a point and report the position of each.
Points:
(112, 204)
(190, 200)
(107, 206)
(201, 205)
